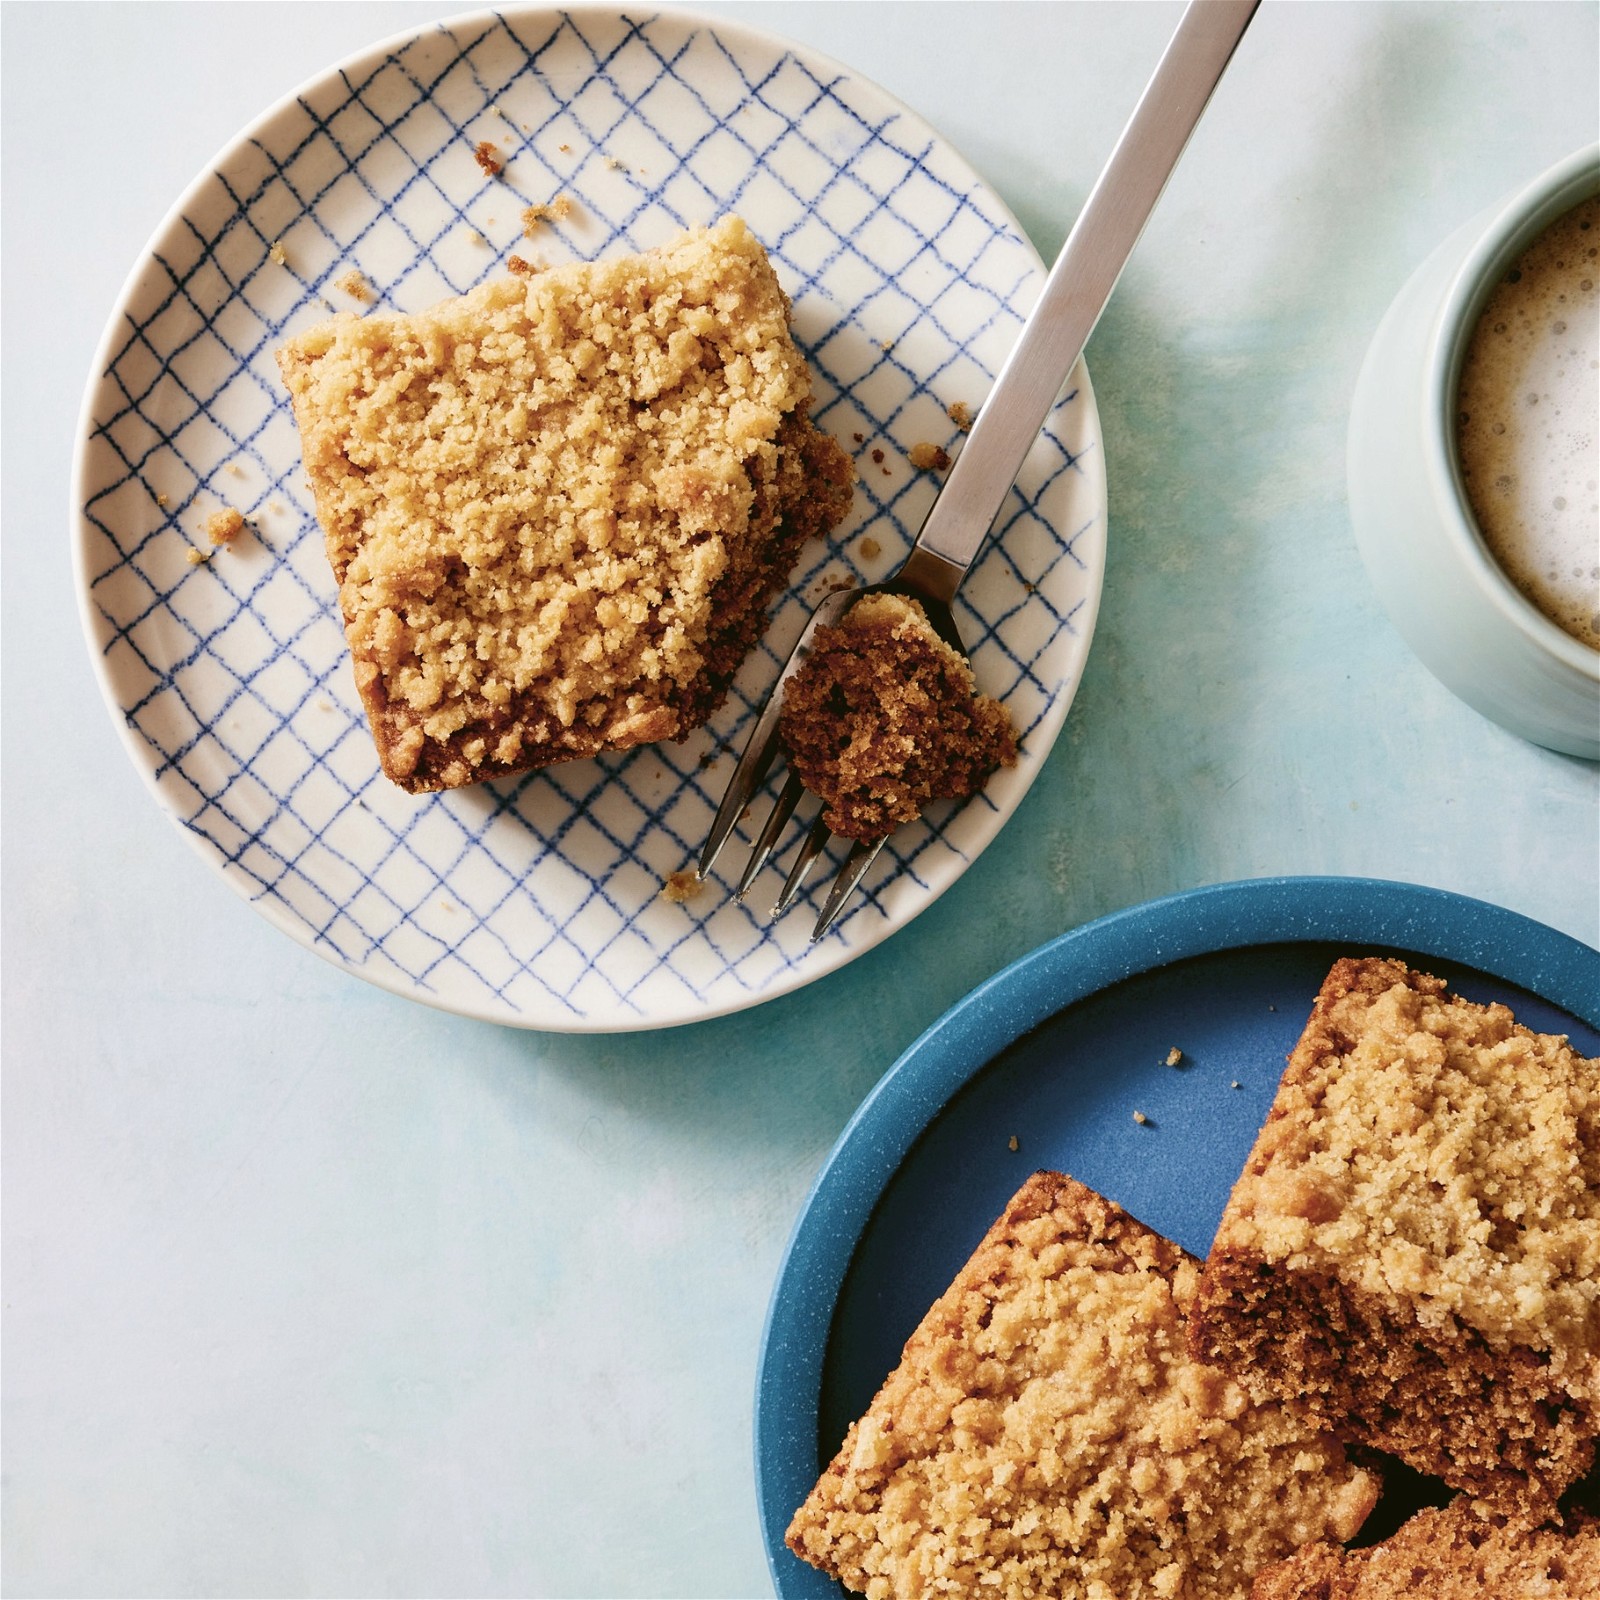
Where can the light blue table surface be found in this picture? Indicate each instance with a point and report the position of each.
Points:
(312, 1291)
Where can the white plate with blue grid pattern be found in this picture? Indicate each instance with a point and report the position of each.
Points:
(538, 901)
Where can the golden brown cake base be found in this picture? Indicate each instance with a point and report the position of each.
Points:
(1047, 1434)
(1413, 1250)
(558, 507)
(1448, 1554)
(883, 717)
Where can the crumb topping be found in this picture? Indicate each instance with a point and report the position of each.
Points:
(682, 885)
(545, 500)
(1047, 1434)
(536, 216)
(883, 717)
(927, 457)
(223, 527)
(1435, 1151)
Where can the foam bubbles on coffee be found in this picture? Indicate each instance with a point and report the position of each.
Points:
(1529, 424)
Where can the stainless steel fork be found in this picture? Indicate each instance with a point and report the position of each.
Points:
(1034, 373)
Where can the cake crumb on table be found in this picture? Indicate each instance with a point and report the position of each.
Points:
(682, 885)
(277, 254)
(519, 268)
(1141, 1119)
(1174, 1056)
(960, 413)
(927, 457)
(196, 558)
(487, 157)
(870, 548)
(1013, 1143)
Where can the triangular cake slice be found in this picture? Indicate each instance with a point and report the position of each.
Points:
(1048, 1433)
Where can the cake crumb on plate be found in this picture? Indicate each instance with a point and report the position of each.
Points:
(355, 284)
(536, 216)
(682, 885)
(544, 552)
(223, 527)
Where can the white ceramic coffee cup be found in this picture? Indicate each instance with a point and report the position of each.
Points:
(1413, 522)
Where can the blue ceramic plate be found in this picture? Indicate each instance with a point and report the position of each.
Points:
(1058, 1052)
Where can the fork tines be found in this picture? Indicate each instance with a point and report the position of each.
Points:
(760, 751)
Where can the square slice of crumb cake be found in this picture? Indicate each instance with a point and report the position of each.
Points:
(558, 507)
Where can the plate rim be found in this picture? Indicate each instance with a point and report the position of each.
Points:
(816, 963)
(1064, 970)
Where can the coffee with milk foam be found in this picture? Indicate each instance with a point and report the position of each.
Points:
(1529, 423)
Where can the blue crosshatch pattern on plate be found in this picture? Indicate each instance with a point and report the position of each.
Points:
(538, 901)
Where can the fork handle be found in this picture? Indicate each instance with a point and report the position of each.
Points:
(1078, 287)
